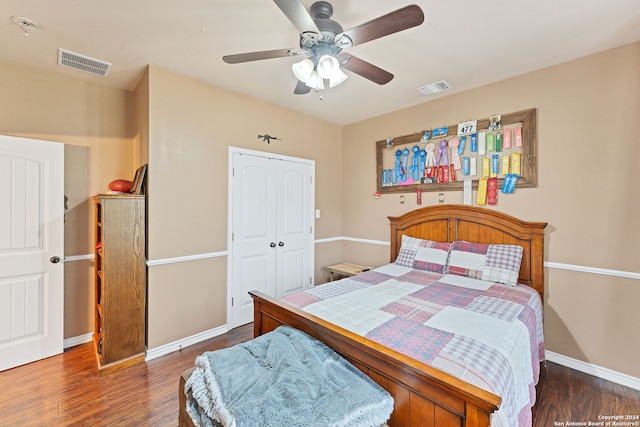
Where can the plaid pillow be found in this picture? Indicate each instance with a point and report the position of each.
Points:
(423, 254)
(494, 263)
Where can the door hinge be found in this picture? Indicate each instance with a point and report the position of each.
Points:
(310, 280)
(231, 301)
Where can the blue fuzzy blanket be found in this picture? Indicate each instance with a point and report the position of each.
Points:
(283, 378)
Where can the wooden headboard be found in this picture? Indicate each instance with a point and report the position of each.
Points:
(446, 223)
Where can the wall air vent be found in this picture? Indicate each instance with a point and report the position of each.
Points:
(83, 63)
(433, 88)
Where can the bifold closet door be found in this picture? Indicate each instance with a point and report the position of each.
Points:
(294, 230)
(272, 229)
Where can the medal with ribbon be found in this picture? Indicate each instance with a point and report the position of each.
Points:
(415, 163)
(430, 160)
(455, 157)
(443, 162)
(405, 160)
(397, 176)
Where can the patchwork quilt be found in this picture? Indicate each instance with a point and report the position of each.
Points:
(485, 333)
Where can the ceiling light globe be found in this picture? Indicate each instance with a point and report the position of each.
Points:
(327, 65)
(315, 81)
(303, 69)
(337, 77)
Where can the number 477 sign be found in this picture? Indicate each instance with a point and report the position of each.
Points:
(467, 128)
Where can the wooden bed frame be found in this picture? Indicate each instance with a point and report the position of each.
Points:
(424, 396)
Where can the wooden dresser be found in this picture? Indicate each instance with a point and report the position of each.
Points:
(120, 281)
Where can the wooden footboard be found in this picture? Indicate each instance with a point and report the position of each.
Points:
(424, 396)
(184, 420)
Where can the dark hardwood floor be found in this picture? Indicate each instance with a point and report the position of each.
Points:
(66, 390)
(565, 395)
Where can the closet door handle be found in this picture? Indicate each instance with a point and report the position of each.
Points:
(280, 243)
(272, 244)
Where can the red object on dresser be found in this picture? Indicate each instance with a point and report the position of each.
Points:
(121, 185)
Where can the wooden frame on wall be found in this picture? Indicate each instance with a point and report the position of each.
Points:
(528, 176)
(137, 187)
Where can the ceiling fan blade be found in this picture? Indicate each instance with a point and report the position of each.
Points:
(399, 20)
(365, 69)
(301, 88)
(298, 15)
(256, 56)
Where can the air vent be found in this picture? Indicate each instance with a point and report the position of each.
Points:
(436, 87)
(83, 63)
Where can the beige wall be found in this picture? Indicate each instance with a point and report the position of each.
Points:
(93, 122)
(191, 126)
(183, 127)
(587, 192)
(141, 122)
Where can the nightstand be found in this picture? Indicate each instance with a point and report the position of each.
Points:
(345, 269)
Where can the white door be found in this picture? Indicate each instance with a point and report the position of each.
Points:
(271, 224)
(31, 250)
(294, 261)
(253, 246)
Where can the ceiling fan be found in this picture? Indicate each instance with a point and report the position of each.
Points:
(323, 40)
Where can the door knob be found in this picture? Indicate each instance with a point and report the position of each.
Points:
(280, 243)
(54, 259)
(272, 244)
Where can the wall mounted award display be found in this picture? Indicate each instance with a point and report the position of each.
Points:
(501, 148)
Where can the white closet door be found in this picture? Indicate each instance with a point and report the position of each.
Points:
(31, 250)
(271, 223)
(294, 227)
(254, 232)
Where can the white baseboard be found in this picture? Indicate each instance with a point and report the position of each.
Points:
(185, 342)
(596, 371)
(74, 341)
(158, 351)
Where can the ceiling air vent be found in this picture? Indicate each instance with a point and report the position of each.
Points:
(83, 63)
(433, 88)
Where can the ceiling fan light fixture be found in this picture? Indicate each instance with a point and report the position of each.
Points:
(327, 66)
(323, 40)
(303, 69)
(315, 81)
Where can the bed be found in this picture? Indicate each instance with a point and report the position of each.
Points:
(424, 395)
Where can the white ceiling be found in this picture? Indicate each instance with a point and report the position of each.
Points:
(468, 43)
